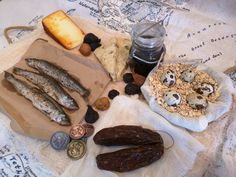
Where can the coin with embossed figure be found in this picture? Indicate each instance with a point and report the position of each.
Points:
(76, 149)
(77, 131)
(59, 140)
(89, 129)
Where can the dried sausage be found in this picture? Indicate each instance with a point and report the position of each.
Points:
(130, 159)
(127, 135)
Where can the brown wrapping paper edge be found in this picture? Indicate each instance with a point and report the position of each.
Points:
(28, 120)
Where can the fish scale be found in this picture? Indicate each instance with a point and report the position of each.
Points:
(59, 74)
(39, 100)
(50, 86)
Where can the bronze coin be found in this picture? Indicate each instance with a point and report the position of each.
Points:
(77, 131)
(76, 149)
(89, 129)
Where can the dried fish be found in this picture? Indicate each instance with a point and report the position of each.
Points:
(39, 100)
(58, 74)
(50, 86)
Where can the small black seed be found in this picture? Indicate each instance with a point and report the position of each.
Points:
(113, 93)
(199, 97)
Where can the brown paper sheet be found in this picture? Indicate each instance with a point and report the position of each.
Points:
(28, 120)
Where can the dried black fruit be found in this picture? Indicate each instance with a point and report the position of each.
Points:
(113, 93)
(130, 158)
(91, 115)
(91, 38)
(128, 78)
(132, 89)
(94, 45)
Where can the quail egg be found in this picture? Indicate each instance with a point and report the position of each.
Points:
(188, 75)
(197, 101)
(168, 78)
(204, 89)
(172, 98)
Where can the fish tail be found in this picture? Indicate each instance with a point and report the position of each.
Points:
(8, 75)
(17, 70)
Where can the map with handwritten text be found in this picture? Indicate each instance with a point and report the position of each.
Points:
(120, 15)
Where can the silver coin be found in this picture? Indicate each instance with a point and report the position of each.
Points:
(59, 140)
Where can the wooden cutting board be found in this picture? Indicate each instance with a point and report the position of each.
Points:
(28, 120)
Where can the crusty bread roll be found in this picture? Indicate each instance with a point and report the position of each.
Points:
(63, 29)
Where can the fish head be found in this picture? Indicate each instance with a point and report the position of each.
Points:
(17, 70)
(64, 120)
(32, 62)
(8, 76)
(70, 103)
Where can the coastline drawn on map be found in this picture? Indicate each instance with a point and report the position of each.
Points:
(120, 15)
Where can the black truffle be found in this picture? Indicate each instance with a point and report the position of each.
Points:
(91, 38)
(132, 89)
(113, 93)
(91, 115)
(128, 78)
(94, 45)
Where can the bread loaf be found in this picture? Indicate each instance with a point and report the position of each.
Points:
(63, 29)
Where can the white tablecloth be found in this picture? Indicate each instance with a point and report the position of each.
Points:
(207, 32)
